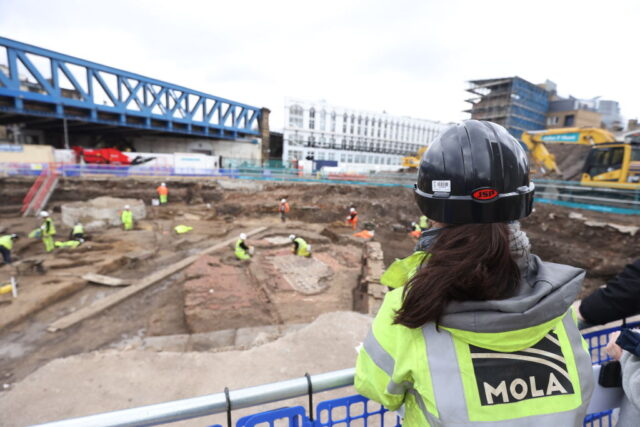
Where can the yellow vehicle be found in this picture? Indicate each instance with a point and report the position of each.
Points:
(609, 163)
(413, 162)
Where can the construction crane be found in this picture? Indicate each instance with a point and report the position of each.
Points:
(608, 163)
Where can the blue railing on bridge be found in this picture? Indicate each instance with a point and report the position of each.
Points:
(40, 82)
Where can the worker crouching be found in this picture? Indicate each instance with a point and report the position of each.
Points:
(242, 250)
(6, 246)
(300, 246)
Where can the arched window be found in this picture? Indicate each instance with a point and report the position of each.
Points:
(312, 118)
(295, 116)
(345, 118)
(353, 120)
(333, 121)
(323, 120)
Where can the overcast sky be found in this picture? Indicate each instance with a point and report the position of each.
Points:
(407, 57)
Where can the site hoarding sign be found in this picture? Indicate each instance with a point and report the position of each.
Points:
(194, 164)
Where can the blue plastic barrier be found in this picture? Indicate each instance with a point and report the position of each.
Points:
(345, 410)
(295, 416)
(361, 411)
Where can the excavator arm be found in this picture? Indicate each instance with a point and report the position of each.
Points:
(536, 140)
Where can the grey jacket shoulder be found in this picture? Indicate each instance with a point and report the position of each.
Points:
(546, 291)
(630, 408)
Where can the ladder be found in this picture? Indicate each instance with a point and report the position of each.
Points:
(40, 192)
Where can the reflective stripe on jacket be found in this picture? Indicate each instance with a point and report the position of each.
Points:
(6, 241)
(534, 376)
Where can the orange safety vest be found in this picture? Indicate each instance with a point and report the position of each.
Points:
(284, 207)
(163, 191)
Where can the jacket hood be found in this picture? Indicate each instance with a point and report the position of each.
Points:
(545, 293)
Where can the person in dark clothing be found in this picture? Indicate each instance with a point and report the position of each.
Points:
(618, 299)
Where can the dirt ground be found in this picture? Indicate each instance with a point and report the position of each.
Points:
(219, 210)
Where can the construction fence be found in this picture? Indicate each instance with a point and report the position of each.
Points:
(566, 193)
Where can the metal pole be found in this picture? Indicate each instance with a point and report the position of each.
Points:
(211, 404)
(66, 134)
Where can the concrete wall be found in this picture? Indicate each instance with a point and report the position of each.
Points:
(27, 154)
(230, 149)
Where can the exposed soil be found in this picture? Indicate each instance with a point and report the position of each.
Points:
(217, 214)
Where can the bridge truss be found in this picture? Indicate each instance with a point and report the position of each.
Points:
(40, 85)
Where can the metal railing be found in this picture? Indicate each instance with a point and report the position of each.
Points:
(201, 406)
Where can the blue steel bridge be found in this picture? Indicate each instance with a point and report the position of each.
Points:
(40, 88)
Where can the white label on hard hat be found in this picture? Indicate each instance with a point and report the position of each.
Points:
(444, 186)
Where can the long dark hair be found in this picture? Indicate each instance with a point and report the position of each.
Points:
(470, 262)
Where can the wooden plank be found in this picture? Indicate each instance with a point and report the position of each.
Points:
(113, 299)
(105, 280)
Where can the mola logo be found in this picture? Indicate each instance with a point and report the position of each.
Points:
(536, 372)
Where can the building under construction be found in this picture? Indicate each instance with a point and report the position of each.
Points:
(512, 102)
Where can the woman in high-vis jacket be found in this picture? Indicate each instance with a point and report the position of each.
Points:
(479, 331)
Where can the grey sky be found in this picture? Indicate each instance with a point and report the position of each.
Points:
(407, 57)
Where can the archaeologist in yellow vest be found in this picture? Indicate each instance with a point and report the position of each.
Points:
(300, 246)
(243, 251)
(480, 331)
(423, 222)
(68, 244)
(127, 218)
(6, 246)
(48, 231)
(77, 233)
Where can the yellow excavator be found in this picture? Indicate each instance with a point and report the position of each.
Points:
(608, 163)
(413, 162)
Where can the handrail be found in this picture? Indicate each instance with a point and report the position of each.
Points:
(213, 403)
(33, 190)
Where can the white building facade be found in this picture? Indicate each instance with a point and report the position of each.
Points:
(360, 141)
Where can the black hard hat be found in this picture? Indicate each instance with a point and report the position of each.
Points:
(474, 172)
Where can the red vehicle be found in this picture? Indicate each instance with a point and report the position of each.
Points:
(107, 156)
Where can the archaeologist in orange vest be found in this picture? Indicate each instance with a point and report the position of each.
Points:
(283, 208)
(163, 193)
(416, 230)
(353, 218)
